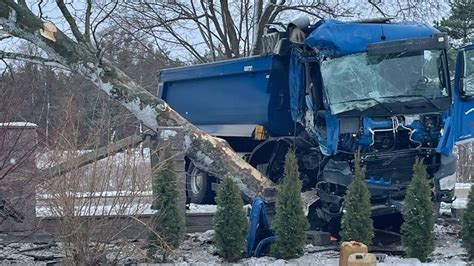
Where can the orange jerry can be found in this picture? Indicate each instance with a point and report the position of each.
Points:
(348, 248)
(362, 259)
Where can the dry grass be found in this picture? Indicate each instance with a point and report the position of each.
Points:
(98, 204)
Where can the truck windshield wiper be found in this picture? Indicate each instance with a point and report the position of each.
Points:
(413, 96)
(384, 106)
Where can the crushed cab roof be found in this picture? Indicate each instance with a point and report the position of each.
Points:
(335, 38)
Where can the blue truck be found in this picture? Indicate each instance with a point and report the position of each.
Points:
(329, 90)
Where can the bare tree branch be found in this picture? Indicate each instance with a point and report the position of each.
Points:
(208, 28)
(87, 23)
(375, 5)
(262, 21)
(206, 35)
(40, 9)
(33, 59)
(220, 31)
(7, 68)
(70, 20)
(229, 24)
(94, 31)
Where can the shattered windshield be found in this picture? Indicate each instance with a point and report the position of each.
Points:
(360, 81)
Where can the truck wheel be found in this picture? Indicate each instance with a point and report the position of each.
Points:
(198, 185)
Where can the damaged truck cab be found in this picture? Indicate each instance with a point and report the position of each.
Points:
(330, 90)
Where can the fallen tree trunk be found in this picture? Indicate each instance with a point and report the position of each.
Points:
(90, 157)
(210, 154)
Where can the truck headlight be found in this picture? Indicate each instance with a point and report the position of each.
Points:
(448, 182)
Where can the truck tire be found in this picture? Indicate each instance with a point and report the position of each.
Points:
(198, 186)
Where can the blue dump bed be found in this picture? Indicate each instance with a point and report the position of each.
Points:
(231, 97)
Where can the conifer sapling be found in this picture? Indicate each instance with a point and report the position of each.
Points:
(230, 222)
(290, 222)
(167, 222)
(417, 228)
(356, 223)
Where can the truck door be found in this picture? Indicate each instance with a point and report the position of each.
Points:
(463, 106)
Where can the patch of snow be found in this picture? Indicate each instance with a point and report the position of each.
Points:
(201, 208)
(199, 249)
(187, 142)
(18, 124)
(459, 203)
(463, 185)
(145, 113)
(318, 258)
(98, 210)
(167, 133)
(142, 207)
(445, 208)
(98, 194)
(51, 158)
(204, 158)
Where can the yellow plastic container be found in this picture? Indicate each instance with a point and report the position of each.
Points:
(362, 259)
(348, 248)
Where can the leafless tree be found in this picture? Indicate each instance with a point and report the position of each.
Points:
(221, 29)
(425, 11)
(208, 30)
(80, 52)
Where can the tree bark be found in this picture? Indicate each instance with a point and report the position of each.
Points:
(210, 154)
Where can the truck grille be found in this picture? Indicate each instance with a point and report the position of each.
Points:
(397, 166)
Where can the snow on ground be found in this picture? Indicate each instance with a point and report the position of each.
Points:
(461, 192)
(198, 249)
(201, 208)
(459, 203)
(117, 209)
(18, 124)
(51, 158)
(463, 186)
(90, 210)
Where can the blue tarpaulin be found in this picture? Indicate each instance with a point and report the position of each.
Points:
(335, 38)
(297, 85)
(260, 235)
